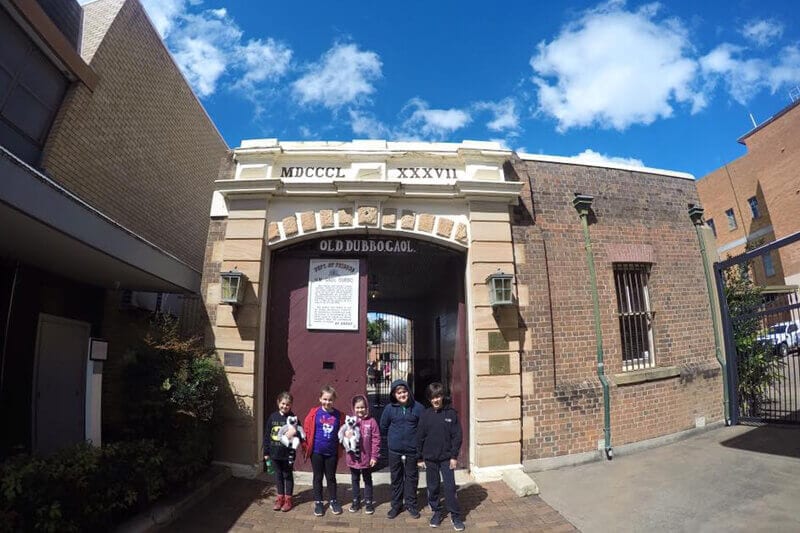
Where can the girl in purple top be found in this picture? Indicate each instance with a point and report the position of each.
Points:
(321, 426)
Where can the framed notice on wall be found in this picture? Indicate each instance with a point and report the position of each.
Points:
(332, 294)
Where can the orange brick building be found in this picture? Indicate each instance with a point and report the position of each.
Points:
(756, 198)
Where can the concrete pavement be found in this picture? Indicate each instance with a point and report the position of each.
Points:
(728, 479)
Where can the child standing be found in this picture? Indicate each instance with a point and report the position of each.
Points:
(321, 426)
(362, 464)
(399, 422)
(438, 444)
(281, 456)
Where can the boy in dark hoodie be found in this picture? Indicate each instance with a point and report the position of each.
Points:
(399, 423)
(438, 444)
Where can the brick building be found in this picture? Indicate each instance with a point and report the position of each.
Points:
(107, 163)
(330, 236)
(756, 198)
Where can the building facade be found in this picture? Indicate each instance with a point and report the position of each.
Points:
(755, 199)
(107, 162)
(333, 238)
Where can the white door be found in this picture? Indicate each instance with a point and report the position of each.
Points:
(59, 383)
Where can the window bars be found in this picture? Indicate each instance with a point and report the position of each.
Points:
(635, 316)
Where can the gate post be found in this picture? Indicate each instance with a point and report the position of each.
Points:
(731, 356)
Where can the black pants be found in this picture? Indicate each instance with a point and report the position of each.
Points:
(324, 464)
(405, 479)
(355, 478)
(432, 471)
(284, 477)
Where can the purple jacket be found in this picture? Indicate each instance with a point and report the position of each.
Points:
(370, 442)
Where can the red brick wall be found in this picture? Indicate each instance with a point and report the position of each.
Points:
(140, 148)
(647, 216)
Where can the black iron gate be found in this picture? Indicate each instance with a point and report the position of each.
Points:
(762, 336)
(390, 355)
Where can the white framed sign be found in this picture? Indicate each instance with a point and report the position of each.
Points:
(332, 294)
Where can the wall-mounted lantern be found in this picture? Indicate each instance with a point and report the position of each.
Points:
(500, 293)
(232, 286)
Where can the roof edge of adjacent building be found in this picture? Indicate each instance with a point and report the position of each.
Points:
(770, 120)
(615, 166)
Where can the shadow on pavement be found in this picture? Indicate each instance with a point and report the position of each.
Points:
(470, 497)
(772, 439)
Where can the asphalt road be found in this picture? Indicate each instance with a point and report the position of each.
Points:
(728, 479)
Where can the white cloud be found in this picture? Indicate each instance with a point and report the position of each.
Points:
(590, 156)
(209, 46)
(368, 126)
(746, 77)
(164, 13)
(344, 75)
(433, 123)
(762, 32)
(614, 68)
(505, 114)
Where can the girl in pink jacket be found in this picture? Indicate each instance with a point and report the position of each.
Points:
(361, 464)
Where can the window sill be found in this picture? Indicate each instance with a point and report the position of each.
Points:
(647, 374)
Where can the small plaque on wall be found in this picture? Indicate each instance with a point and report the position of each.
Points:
(499, 364)
(234, 359)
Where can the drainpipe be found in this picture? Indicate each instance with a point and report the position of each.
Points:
(583, 204)
(696, 214)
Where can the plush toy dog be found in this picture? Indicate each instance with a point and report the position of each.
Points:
(291, 433)
(349, 435)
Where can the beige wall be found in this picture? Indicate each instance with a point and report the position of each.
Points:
(140, 147)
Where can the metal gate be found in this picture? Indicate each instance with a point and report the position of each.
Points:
(762, 336)
(390, 355)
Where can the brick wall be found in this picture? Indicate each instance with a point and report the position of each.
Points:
(769, 172)
(637, 215)
(140, 148)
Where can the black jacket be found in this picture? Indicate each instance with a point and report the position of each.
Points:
(272, 445)
(439, 434)
(399, 422)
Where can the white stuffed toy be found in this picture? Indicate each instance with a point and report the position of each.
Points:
(291, 433)
(350, 435)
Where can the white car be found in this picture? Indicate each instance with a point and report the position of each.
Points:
(784, 336)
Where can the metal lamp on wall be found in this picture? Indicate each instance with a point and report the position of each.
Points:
(500, 285)
(232, 283)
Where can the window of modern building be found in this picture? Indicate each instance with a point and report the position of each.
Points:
(635, 317)
(769, 268)
(731, 218)
(753, 201)
(710, 223)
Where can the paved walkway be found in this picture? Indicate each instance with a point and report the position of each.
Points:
(246, 506)
(728, 479)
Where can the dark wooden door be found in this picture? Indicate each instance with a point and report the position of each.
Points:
(302, 360)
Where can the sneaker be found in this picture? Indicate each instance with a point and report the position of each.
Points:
(458, 525)
(319, 509)
(393, 512)
(369, 507)
(335, 507)
(436, 519)
(355, 507)
(413, 512)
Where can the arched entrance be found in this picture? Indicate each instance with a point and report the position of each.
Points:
(414, 291)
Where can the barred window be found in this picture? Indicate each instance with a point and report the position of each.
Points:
(635, 317)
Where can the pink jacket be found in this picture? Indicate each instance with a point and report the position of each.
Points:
(370, 444)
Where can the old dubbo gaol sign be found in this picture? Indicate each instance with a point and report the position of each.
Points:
(332, 294)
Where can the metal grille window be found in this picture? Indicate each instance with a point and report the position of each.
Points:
(731, 218)
(635, 317)
(753, 202)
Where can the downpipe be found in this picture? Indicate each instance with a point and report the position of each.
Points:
(696, 214)
(583, 204)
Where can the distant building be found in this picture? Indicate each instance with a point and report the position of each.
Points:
(756, 199)
(331, 233)
(107, 162)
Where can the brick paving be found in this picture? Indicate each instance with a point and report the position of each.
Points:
(243, 505)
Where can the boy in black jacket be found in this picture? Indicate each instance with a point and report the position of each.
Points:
(438, 444)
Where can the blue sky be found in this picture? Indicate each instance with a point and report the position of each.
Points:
(668, 85)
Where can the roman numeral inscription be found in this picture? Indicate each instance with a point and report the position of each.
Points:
(426, 173)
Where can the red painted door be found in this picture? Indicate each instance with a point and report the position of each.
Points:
(302, 360)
